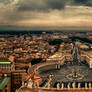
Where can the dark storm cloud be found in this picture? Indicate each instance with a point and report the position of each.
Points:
(56, 4)
(42, 4)
(45, 13)
(46, 5)
(5, 1)
(83, 2)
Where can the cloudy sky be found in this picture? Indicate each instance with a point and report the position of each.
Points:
(45, 14)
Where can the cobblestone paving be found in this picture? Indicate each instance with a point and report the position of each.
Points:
(60, 75)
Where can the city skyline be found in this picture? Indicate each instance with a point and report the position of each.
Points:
(45, 15)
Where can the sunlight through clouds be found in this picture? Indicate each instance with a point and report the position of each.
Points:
(39, 13)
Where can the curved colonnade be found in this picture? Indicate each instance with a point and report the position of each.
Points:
(50, 65)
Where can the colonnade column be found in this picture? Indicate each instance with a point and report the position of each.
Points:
(90, 85)
(68, 86)
(62, 85)
(58, 86)
(79, 85)
(73, 85)
(86, 85)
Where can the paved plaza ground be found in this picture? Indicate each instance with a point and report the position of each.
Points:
(60, 76)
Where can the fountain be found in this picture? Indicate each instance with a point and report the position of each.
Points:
(74, 75)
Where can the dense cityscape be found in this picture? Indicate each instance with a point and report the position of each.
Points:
(45, 61)
(45, 45)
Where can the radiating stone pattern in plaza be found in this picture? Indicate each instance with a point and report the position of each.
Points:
(60, 76)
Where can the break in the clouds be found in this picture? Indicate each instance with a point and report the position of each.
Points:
(46, 13)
